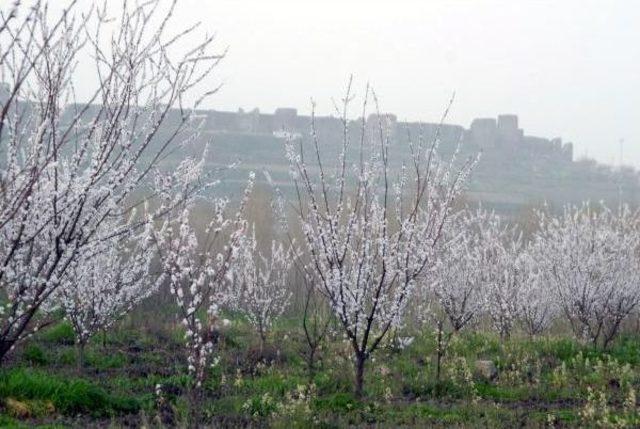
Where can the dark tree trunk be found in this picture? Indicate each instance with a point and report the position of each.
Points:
(263, 341)
(439, 353)
(80, 356)
(505, 334)
(5, 347)
(442, 344)
(359, 367)
(311, 363)
(194, 407)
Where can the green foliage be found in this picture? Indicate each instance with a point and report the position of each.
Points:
(34, 354)
(7, 422)
(475, 344)
(60, 333)
(500, 393)
(428, 412)
(102, 361)
(541, 381)
(335, 378)
(69, 396)
(338, 402)
(627, 350)
(260, 406)
(67, 356)
(562, 349)
(273, 382)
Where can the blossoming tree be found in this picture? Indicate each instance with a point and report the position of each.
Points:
(456, 278)
(537, 308)
(589, 258)
(105, 284)
(369, 237)
(198, 269)
(262, 282)
(503, 273)
(68, 167)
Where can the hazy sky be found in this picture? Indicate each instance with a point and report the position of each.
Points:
(568, 68)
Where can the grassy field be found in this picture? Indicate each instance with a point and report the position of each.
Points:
(137, 377)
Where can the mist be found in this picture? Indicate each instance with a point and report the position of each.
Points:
(567, 69)
(300, 214)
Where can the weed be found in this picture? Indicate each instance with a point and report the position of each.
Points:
(35, 355)
(68, 396)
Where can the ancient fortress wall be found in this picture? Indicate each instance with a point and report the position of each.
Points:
(500, 135)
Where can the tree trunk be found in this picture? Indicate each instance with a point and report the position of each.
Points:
(80, 356)
(263, 342)
(359, 367)
(311, 361)
(5, 347)
(438, 356)
(194, 407)
(439, 353)
(505, 334)
(263, 336)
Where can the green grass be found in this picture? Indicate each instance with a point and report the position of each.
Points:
(627, 350)
(538, 379)
(101, 361)
(68, 395)
(11, 423)
(35, 355)
(338, 402)
(61, 333)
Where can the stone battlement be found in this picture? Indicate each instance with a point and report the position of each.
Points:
(505, 135)
(500, 135)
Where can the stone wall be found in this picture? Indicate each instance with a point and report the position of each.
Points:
(502, 135)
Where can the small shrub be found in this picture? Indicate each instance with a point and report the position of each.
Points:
(61, 333)
(559, 376)
(596, 410)
(460, 376)
(35, 355)
(260, 406)
(336, 377)
(297, 403)
(68, 356)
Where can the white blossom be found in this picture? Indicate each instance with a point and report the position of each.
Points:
(502, 271)
(197, 267)
(366, 237)
(456, 280)
(262, 282)
(589, 261)
(106, 283)
(68, 168)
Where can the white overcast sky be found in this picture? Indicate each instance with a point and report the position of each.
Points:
(568, 68)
